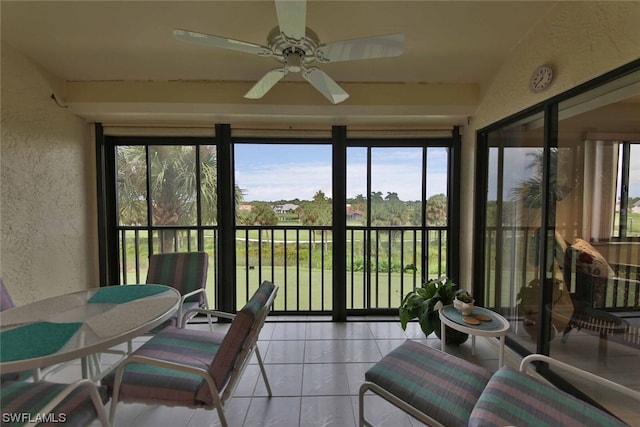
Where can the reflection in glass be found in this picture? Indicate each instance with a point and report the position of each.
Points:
(513, 222)
(601, 259)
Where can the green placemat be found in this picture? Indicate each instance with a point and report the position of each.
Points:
(452, 314)
(35, 340)
(125, 293)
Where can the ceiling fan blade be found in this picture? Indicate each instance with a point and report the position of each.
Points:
(266, 83)
(223, 42)
(325, 85)
(363, 48)
(292, 17)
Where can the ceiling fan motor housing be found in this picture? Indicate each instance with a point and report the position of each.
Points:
(283, 46)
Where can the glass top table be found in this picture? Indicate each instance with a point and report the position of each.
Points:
(76, 325)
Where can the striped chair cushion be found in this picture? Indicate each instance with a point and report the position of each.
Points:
(235, 339)
(5, 299)
(440, 385)
(515, 398)
(185, 271)
(142, 382)
(20, 398)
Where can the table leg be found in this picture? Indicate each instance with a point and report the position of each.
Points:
(443, 343)
(501, 352)
(84, 363)
(473, 345)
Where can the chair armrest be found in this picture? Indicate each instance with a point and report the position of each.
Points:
(579, 373)
(186, 316)
(192, 293)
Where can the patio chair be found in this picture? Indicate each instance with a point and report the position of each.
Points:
(196, 369)
(31, 403)
(592, 274)
(442, 390)
(185, 271)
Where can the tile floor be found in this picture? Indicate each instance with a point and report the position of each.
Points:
(315, 369)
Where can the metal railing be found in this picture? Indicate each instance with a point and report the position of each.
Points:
(383, 263)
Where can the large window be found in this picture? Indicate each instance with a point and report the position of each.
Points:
(265, 208)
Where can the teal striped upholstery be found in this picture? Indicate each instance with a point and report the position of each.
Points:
(235, 339)
(215, 352)
(156, 384)
(185, 271)
(440, 385)
(19, 397)
(514, 398)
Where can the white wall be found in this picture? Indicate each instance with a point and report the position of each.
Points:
(47, 214)
(581, 41)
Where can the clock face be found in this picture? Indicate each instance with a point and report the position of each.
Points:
(541, 79)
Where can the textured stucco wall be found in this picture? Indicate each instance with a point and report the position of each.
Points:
(581, 40)
(47, 211)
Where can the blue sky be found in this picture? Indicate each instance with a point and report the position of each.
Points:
(269, 172)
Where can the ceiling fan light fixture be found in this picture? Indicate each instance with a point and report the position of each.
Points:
(294, 61)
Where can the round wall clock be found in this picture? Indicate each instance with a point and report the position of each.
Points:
(541, 78)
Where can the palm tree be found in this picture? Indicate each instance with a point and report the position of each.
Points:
(436, 211)
(171, 174)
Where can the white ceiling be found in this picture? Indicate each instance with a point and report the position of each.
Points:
(87, 41)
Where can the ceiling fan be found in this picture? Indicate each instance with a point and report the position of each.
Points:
(296, 47)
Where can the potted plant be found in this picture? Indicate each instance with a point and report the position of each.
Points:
(423, 304)
(463, 302)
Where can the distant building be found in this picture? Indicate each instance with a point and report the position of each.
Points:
(245, 207)
(285, 209)
(353, 214)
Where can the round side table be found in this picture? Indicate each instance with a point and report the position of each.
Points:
(498, 326)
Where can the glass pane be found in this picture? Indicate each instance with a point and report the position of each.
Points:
(396, 186)
(209, 185)
(513, 222)
(633, 204)
(131, 172)
(356, 185)
(437, 170)
(173, 185)
(595, 306)
(356, 211)
(293, 180)
(283, 223)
